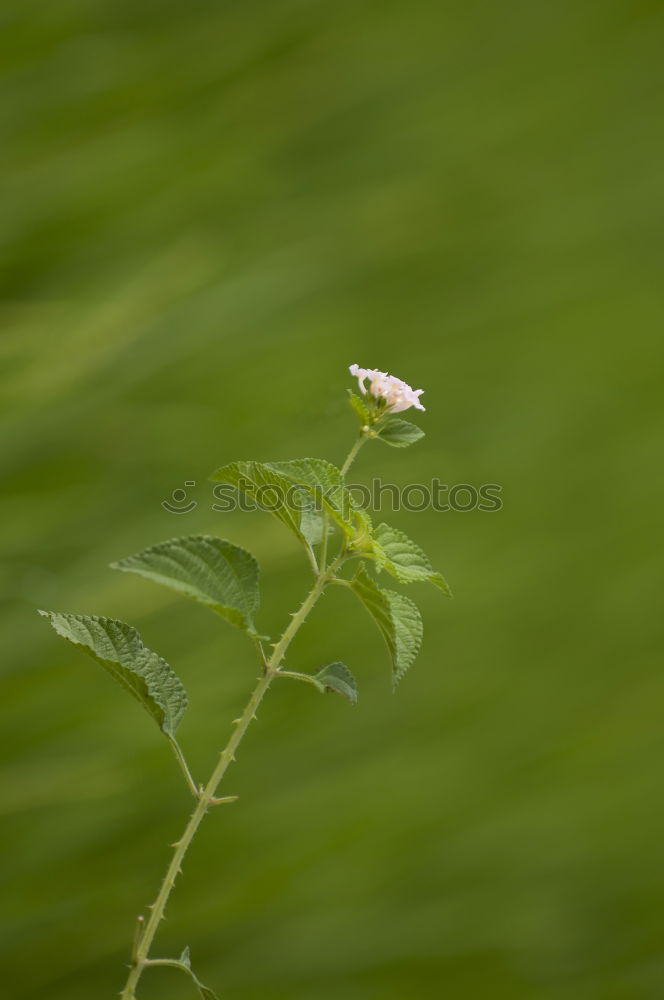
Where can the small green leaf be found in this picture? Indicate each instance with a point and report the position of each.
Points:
(399, 433)
(333, 677)
(397, 617)
(337, 677)
(219, 575)
(184, 964)
(361, 409)
(362, 542)
(119, 648)
(395, 552)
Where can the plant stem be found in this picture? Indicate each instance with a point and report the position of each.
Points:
(350, 458)
(208, 795)
(182, 761)
(303, 677)
(323, 542)
(311, 556)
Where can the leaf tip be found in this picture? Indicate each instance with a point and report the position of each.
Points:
(438, 580)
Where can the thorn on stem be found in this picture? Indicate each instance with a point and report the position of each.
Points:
(222, 801)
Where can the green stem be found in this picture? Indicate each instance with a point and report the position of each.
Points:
(323, 542)
(350, 458)
(181, 759)
(303, 677)
(207, 796)
(311, 556)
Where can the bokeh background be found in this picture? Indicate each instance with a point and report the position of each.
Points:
(210, 210)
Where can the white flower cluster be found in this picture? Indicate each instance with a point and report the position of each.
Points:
(398, 395)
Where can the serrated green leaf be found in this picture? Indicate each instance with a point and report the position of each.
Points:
(142, 672)
(396, 553)
(397, 617)
(324, 483)
(314, 473)
(211, 570)
(337, 677)
(399, 433)
(293, 491)
(360, 408)
(266, 488)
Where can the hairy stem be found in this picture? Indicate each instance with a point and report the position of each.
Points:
(207, 797)
(181, 759)
(350, 458)
(323, 541)
(311, 556)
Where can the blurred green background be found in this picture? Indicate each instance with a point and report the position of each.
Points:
(210, 210)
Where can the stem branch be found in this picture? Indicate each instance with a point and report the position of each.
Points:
(207, 796)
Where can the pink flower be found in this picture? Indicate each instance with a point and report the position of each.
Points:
(398, 395)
